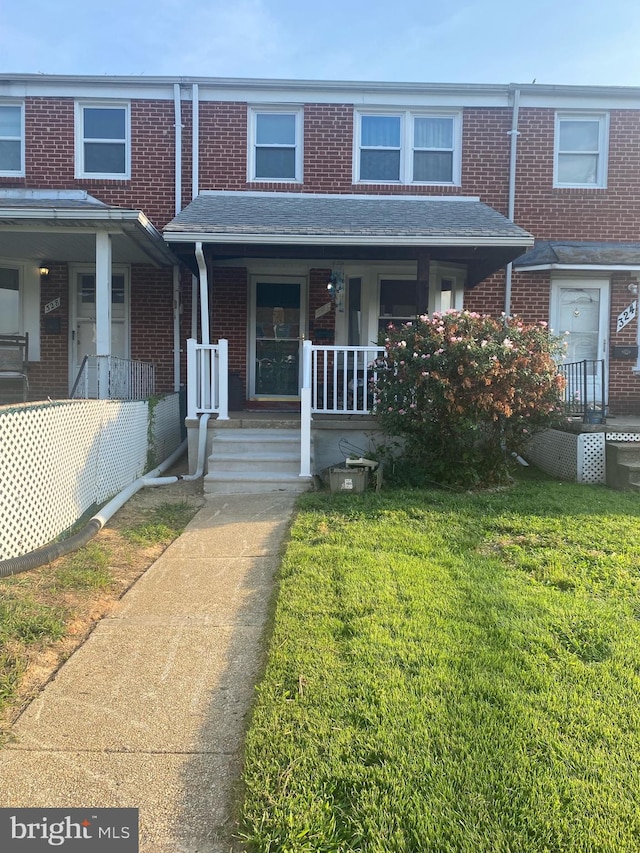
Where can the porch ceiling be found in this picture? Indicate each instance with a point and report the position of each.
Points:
(63, 229)
(298, 225)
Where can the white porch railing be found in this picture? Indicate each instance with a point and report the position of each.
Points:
(337, 381)
(208, 379)
(108, 377)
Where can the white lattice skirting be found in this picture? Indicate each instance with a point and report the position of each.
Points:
(60, 459)
(568, 456)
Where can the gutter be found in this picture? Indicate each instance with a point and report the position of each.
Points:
(333, 239)
(513, 159)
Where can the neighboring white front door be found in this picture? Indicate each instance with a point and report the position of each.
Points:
(580, 312)
(83, 320)
(277, 325)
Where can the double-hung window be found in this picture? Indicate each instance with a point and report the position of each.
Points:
(11, 139)
(408, 148)
(103, 141)
(581, 150)
(275, 145)
(381, 148)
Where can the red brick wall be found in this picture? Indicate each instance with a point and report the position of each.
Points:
(624, 386)
(49, 124)
(228, 306)
(319, 296)
(152, 321)
(610, 213)
(49, 376)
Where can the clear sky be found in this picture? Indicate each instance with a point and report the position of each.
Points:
(595, 42)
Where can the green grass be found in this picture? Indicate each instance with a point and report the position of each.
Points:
(85, 569)
(453, 673)
(166, 522)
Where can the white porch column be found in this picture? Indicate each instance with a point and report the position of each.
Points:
(103, 310)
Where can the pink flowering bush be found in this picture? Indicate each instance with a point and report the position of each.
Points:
(466, 391)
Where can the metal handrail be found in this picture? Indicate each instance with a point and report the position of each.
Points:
(584, 392)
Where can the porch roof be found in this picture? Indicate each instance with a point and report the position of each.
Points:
(273, 224)
(353, 219)
(580, 254)
(60, 225)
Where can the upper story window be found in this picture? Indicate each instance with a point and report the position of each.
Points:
(11, 139)
(408, 148)
(275, 145)
(103, 141)
(581, 150)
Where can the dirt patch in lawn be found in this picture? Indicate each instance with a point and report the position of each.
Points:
(65, 599)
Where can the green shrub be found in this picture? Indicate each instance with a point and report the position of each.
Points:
(466, 391)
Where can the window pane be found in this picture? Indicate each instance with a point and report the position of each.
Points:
(398, 298)
(433, 166)
(379, 165)
(104, 157)
(275, 163)
(433, 133)
(10, 121)
(577, 168)
(10, 156)
(104, 123)
(9, 301)
(381, 131)
(275, 129)
(579, 135)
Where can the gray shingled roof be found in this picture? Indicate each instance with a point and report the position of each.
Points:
(591, 253)
(221, 215)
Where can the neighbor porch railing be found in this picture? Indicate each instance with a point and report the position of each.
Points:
(585, 391)
(208, 378)
(109, 377)
(335, 381)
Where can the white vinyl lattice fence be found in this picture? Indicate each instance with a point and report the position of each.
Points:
(569, 456)
(58, 460)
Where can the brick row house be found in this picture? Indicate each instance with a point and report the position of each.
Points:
(137, 213)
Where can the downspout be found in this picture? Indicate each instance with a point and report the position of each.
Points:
(58, 549)
(204, 329)
(195, 140)
(176, 327)
(514, 133)
(177, 110)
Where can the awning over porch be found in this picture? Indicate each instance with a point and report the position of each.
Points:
(296, 225)
(61, 225)
(580, 254)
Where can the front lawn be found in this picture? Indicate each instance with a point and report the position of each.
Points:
(453, 672)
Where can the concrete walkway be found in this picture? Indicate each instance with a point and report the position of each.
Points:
(150, 711)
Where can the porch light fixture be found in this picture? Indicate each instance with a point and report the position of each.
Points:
(43, 269)
(335, 287)
(633, 288)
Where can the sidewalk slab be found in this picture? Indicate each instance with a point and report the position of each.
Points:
(150, 712)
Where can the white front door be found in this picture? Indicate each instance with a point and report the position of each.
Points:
(580, 313)
(83, 321)
(277, 325)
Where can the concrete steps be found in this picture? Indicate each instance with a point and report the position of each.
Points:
(623, 465)
(250, 460)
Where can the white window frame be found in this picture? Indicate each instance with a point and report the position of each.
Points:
(80, 140)
(602, 153)
(407, 138)
(20, 172)
(252, 126)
